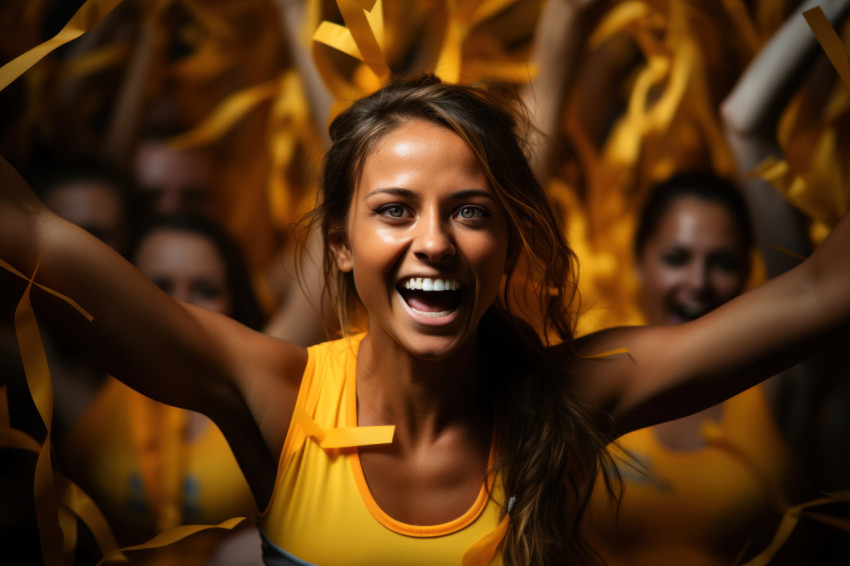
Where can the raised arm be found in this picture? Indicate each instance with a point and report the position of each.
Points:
(292, 14)
(180, 355)
(751, 115)
(673, 371)
(562, 30)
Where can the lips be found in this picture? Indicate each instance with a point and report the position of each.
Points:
(688, 310)
(431, 297)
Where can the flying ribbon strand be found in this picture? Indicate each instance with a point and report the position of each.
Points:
(362, 38)
(89, 15)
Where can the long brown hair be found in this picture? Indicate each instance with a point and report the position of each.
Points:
(551, 446)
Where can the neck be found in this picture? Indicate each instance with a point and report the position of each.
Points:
(422, 398)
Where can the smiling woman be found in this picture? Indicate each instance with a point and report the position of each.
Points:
(717, 480)
(692, 247)
(446, 427)
(406, 224)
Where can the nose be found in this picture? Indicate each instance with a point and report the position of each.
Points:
(697, 275)
(433, 241)
(181, 292)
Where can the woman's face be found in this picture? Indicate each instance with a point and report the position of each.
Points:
(694, 262)
(187, 266)
(427, 240)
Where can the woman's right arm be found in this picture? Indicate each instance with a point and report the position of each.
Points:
(751, 114)
(179, 355)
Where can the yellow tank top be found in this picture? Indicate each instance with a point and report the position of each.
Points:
(131, 455)
(322, 511)
(699, 507)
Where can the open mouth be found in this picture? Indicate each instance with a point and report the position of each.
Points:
(691, 310)
(430, 296)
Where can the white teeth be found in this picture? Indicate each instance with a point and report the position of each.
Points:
(431, 314)
(429, 284)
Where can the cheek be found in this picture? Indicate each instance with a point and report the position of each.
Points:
(726, 286)
(490, 256)
(659, 279)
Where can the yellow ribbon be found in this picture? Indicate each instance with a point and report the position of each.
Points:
(463, 17)
(65, 298)
(14, 438)
(789, 521)
(290, 123)
(829, 41)
(89, 14)
(617, 19)
(482, 552)
(604, 354)
(231, 110)
(82, 506)
(34, 361)
(37, 374)
(97, 60)
(362, 38)
(167, 538)
(75, 502)
(343, 437)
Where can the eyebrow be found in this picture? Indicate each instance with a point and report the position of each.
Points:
(462, 194)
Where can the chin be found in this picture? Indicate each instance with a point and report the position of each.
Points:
(436, 348)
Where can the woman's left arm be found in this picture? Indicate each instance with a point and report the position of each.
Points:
(674, 371)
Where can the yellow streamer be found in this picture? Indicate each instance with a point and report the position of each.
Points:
(788, 252)
(227, 114)
(604, 354)
(68, 524)
(344, 437)
(89, 14)
(97, 60)
(462, 19)
(68, 300)
(829, 41)
(14, 438)
(482, 552)
(34, 361)
(786, 527)
(82, 506)
(362, 38)
(367, 29)
(617, 19)
(169, 537)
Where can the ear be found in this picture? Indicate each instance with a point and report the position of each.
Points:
(341, 251)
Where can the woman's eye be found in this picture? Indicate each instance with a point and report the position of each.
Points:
(726, 262)
(675, 259)
(208, 291)
(393, 211)
(471, 212)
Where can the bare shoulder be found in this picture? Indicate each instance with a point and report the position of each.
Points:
(607, 369)
(266, 372)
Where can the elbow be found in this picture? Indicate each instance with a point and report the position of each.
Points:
(735, 123)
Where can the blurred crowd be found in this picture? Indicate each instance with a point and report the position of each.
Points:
(188, 135)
